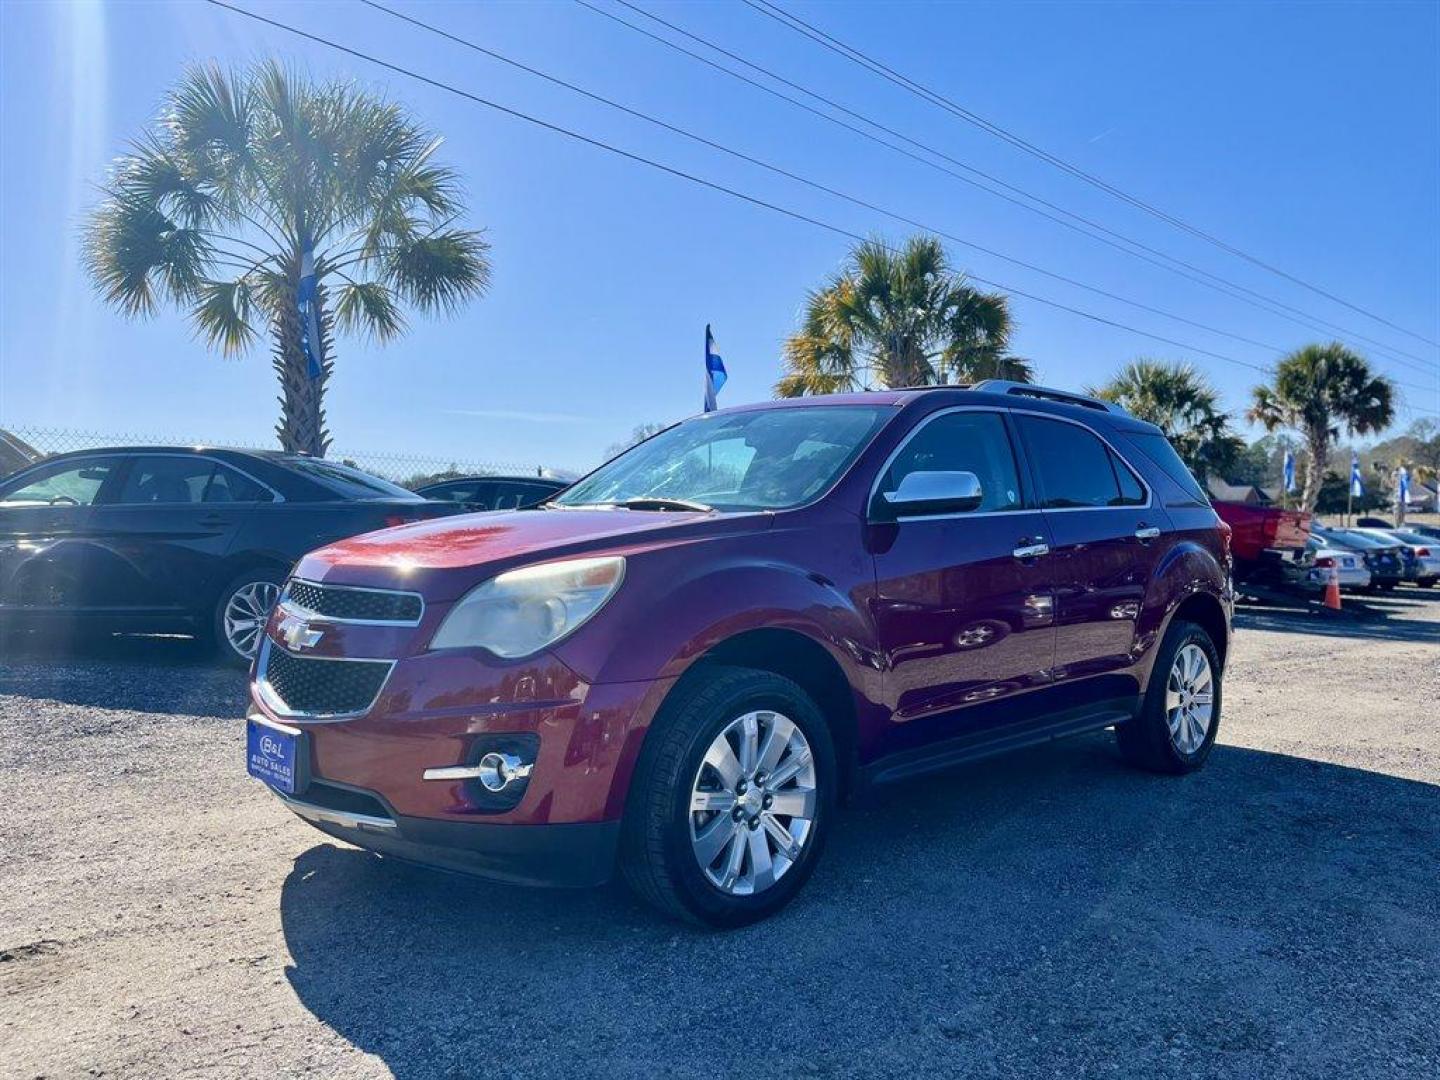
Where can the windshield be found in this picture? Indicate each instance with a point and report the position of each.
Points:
(768, 459)
(350, 483)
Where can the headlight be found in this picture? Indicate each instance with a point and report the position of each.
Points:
(522, 611)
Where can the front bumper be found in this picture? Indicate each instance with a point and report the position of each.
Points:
(575, 855)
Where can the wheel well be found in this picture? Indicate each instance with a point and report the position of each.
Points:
(1205, 611)
(238, 565)
(805, 662)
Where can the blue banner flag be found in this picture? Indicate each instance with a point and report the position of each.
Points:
(1404, 486)
(714, 371)
(1289, 470)
(1356, 487)
(309, 314)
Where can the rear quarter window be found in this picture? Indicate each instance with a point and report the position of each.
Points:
(1157, 449)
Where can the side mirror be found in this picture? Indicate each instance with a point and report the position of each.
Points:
(921, 493)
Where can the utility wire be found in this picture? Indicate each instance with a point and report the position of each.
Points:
(811, 183)
(814, 184)
(701, 181)
(1180, 267)
(800, 26)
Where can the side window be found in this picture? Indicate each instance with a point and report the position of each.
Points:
(1132, 492)
(229, 486)
(974, 442)
(1074, 468)
(66, 483)
(166, 480)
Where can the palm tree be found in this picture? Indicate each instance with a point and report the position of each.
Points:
(902, 318)
(1183, 404)
(259, 200)
(1317, 391)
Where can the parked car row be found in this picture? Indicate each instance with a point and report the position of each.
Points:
(192, 540)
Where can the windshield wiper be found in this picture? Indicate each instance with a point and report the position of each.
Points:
(664, 504)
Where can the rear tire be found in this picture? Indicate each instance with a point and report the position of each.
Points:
(244, 606)
(1180, 715)
(695, 755)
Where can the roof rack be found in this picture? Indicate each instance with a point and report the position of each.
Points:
(1046, 393)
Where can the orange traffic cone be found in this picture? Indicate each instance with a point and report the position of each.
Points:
(1332, 590)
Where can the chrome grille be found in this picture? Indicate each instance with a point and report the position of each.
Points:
(315, 686)
(345, 603)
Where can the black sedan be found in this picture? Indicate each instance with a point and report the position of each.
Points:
(172, 539)
(1385, 561)
(477, 493)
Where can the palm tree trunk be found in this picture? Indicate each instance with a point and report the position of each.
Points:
(1318, 442)
(302, 413)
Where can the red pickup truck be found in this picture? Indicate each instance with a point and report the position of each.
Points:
(1264, 540)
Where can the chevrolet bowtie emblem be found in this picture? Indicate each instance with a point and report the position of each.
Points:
(298, 634)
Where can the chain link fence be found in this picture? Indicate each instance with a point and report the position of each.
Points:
(21, 445)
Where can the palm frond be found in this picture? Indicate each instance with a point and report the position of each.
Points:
(441, 271)
(369, 307)
(223, 314)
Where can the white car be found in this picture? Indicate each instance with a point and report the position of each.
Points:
(1423, 566)
(1349, 566)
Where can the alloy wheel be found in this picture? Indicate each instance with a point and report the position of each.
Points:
(753, 803)
(1190, 699)
(245, 614)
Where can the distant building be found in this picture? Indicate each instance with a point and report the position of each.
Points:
(1240, 493)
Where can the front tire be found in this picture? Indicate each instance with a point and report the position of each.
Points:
(1175, 728)
(731, 800)
(238, 621)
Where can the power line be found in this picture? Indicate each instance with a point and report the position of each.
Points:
(800, 26)
(701, 181)
(816, 185)
(1224, 286)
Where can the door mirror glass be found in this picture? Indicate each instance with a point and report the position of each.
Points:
(925, 492)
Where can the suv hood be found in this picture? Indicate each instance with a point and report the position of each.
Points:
(446, 557)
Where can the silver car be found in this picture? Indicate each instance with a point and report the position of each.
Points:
(1423, 565)
(1349, 566)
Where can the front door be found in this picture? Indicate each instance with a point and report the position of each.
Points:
(963, 611)
(1106, 535)
(49, 563)
(167, 530)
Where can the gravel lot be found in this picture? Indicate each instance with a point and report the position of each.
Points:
(1049, 914)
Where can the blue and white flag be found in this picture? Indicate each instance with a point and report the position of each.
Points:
(1403, 486)
(1356, 487)
(714, 371)
(1289, 470)
(309, 314)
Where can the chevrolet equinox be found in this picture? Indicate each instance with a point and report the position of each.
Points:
(681, 665)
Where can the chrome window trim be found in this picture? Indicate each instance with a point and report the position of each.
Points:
(276, 704)
(1001, 410)
(294, 608)
(1149, 495)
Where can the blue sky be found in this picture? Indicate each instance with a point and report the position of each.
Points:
(1308, 134)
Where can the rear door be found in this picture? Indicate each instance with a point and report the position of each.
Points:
(1106, 538)
(963, 600)
(49, 562)
(168, 529)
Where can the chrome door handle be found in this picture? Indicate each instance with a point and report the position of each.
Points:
(1031, 551)
(1147, 532)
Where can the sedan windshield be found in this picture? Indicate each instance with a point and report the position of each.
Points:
(768, 459)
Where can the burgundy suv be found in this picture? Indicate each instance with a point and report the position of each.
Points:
(684, 662)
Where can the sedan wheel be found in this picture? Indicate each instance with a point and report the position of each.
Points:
(1189, 699)
(752, 803)
(243, 619)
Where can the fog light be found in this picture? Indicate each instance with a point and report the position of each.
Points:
(497, 771)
